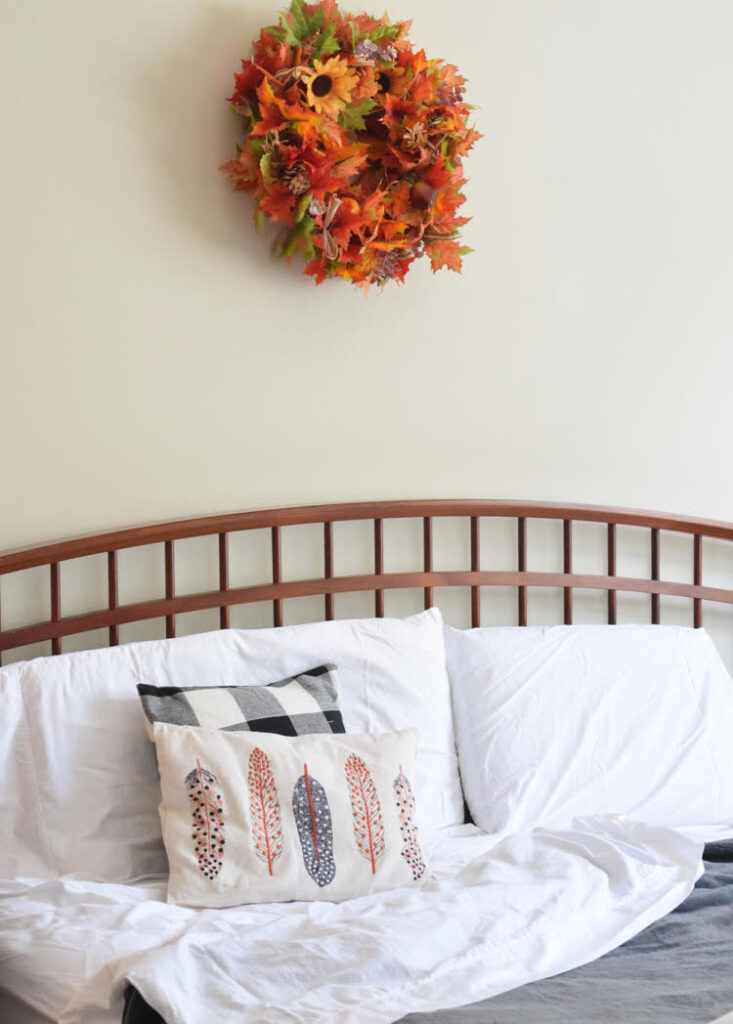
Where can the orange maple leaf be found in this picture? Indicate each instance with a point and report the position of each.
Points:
(244, 172)
(450, 77)
(351, 161)
(444, 253)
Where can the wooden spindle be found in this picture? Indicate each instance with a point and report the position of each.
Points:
(328, 565)
(522, 567)
(567, 560)
(224, 578)
(428, 556)
(55, 604)
(277, 605)
(475, 567)
(113, 595)
(379, 566)
(655, 574)
(612, 572)
(170, 588)
(697, 580)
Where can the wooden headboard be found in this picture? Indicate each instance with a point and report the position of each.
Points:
(327, 584)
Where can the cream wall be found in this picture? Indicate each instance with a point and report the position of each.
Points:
(156, 363)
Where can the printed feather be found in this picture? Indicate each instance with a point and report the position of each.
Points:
(405, 800)
(365, 809)
(313, 821)
(264, 807)
(208, 820)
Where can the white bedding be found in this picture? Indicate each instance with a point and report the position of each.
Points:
(494, 917)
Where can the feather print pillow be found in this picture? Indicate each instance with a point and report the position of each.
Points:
(260, 818)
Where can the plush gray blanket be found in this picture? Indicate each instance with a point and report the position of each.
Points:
(678, 971)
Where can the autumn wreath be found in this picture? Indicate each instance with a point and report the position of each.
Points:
(354, 142)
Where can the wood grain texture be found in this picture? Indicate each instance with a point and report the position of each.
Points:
(567, 559)
(180, 529)
(378, 582)
(277, 607)
(378, 566)
(55, 585)
(328, 565)
(475, 567)
(655, 575)
(428, 557)
(224, 577)
(277, 592)
(611, 566)
(522, 566)
(170, 588)
(112, 595)
(697, 579)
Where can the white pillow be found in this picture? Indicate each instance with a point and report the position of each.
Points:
(556, 723)
(259, 818)
(23, 847)
(79, 792)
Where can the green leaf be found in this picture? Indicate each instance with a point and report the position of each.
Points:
(352, 117)
(260, 219)
(300, 240)
(288, 32)
(315, 21)
(302, 25)
(302, 208)
(387, 31)
(266, 166)
(326, 42)
(294, 32)
(444, 147)
(256, 144)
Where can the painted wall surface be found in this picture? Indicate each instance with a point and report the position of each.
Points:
(156, 363)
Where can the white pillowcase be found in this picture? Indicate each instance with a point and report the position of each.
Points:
(79, 787)
(259, 818)
(560, 722)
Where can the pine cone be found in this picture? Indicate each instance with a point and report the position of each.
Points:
(297, 179)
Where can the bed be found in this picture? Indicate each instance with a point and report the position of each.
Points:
(577, 914)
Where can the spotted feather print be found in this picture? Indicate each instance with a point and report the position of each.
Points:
(208, 820)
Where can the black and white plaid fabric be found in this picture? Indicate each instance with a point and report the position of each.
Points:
(306, 703)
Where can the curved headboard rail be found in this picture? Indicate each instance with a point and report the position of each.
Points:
(114, 615)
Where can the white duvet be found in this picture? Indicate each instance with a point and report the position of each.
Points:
(492, 918)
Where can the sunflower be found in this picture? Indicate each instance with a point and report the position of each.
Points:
(331, 85)
(393, 80)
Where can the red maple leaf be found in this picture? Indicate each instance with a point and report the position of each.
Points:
(278, 202)
(318, 268)
(349, 219)
(246, 82)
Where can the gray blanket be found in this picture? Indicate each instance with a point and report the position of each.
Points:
(678, 971)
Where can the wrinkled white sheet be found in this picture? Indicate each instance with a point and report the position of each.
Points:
(492, 918)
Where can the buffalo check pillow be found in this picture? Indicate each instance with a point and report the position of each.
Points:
(301, 704)
(260, 818)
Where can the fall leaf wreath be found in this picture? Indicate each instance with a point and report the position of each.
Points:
(354, 142)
